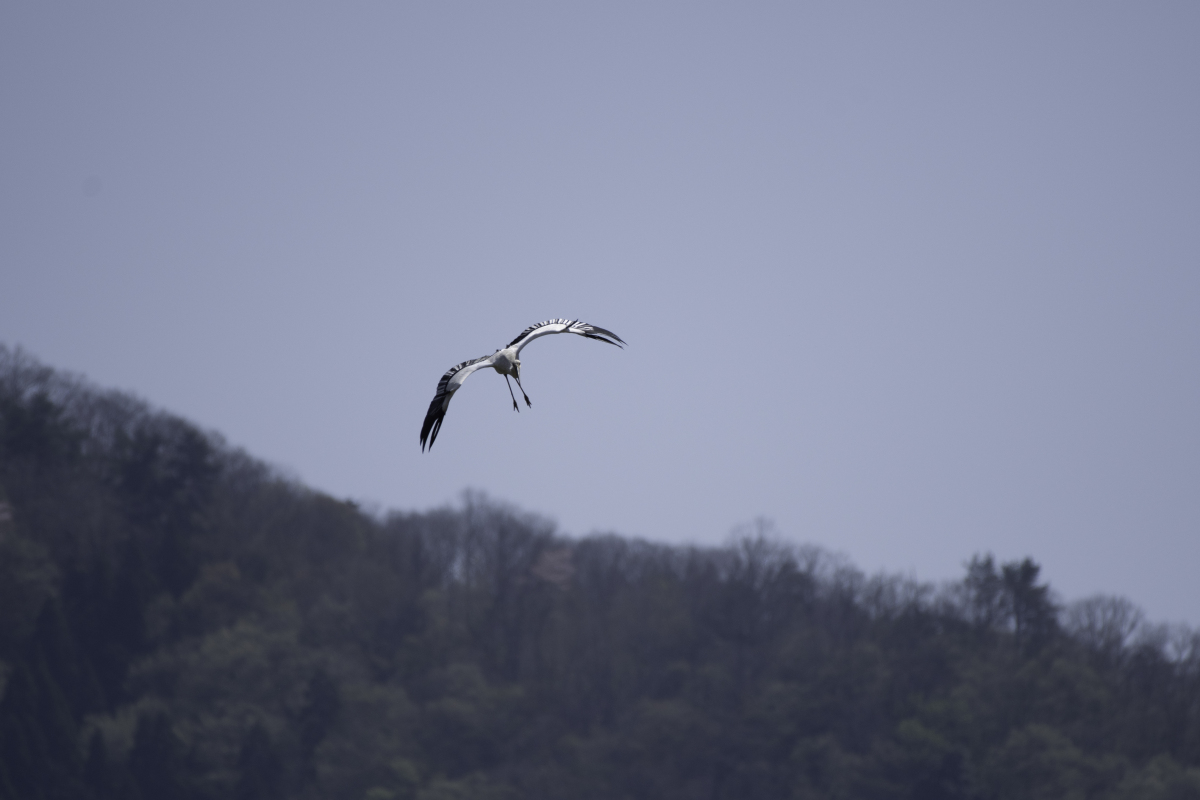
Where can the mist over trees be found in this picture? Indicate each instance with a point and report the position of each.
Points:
(178, 620)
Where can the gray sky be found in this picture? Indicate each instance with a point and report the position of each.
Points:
(915, 281)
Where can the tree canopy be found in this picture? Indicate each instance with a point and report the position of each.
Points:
(178, 620)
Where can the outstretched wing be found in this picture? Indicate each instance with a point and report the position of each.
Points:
(564, 326)
(446, 388)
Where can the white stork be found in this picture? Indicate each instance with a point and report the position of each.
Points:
(506, 362)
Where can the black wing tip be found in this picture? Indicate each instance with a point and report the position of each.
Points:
(600, 333)
(430, 432)
(432, 424)
(602, 339)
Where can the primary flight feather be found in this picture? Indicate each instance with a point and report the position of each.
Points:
(506, 362)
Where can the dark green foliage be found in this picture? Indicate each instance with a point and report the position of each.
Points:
(38, 737)
(176, 621)
(105, 779)
(260, 773)
(156, 762)
(316, 719)
(70, 671)
(96, 771)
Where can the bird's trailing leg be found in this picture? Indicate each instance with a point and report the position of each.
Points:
(517, 378)
(513, 396)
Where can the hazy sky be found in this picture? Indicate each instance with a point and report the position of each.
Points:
(915, 281)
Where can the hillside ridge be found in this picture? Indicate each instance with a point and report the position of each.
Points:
(180, 620)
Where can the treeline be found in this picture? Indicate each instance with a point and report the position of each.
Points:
(177, 620)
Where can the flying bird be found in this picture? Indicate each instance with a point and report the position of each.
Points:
(507, 362)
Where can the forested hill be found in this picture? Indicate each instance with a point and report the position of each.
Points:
(177, 620)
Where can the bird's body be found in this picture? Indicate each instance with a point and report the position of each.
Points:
(507, 362)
